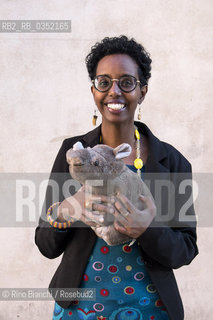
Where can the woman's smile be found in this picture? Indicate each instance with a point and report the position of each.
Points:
(115, 106)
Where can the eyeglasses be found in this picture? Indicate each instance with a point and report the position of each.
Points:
(126, 83)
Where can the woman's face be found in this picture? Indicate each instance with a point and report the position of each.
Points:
(115, 105)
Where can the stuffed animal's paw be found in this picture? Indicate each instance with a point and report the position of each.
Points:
(110, 235)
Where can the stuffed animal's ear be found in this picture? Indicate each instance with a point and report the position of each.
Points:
(78, 146)
(122, 151)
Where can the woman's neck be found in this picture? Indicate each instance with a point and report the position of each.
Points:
(115, 134)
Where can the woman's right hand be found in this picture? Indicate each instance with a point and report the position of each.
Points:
(72, 207)
(76, 207)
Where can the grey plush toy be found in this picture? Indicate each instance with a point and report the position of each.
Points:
(102, 170)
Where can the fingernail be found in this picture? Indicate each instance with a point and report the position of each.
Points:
(112, 200)
(86, 204)
(111, 210)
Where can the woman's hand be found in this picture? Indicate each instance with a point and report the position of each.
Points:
(90, 209)
(121, 220)
(102, 220)
(72, 206)
(98, 211)
(131, 221)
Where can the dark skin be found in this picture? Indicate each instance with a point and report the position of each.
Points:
(117, 128)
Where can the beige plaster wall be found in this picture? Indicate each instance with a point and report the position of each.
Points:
(45, 96)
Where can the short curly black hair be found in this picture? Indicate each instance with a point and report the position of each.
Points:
(120, 45)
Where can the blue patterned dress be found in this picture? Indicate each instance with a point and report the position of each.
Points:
(124, 290)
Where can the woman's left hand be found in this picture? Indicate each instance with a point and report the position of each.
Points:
(131, 221)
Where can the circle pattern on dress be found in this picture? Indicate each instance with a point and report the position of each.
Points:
(128, 268)
(112, 268)
(99, 307)
(97, 278)
(104, 249)
(129, 290)
(98, 266)
(104, 292)
(126, 313)
(140, 261)
(120, 301)
(158, 303)
(116, 279)
(124, 290)
(85, 277)
(139, 276)
(151, 288)
(126, 248)
(145, 301)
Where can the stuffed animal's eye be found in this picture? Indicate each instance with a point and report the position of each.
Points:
(96, 163)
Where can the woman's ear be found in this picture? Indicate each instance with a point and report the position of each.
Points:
(92, 89)
(143, 92)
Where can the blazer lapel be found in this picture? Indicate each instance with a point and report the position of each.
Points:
(157, 157)
(92, 138)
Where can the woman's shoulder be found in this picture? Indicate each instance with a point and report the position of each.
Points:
(164, 151)
(175, 156)
(69, 142)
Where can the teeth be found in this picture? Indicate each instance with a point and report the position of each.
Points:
(115, 106)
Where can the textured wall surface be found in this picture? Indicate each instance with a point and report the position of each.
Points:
(45, 97)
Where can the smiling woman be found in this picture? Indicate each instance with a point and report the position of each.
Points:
(132, 281)
(117, 91)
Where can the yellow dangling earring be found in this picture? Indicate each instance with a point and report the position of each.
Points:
(139, 113)
(94, 118)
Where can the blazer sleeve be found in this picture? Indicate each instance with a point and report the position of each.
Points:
(53, 241)
(173, 244)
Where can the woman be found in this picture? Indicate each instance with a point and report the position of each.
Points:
(134, 282)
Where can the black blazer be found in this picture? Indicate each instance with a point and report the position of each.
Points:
(164, 245)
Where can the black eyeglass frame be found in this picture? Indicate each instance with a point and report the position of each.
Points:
(118, 80)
